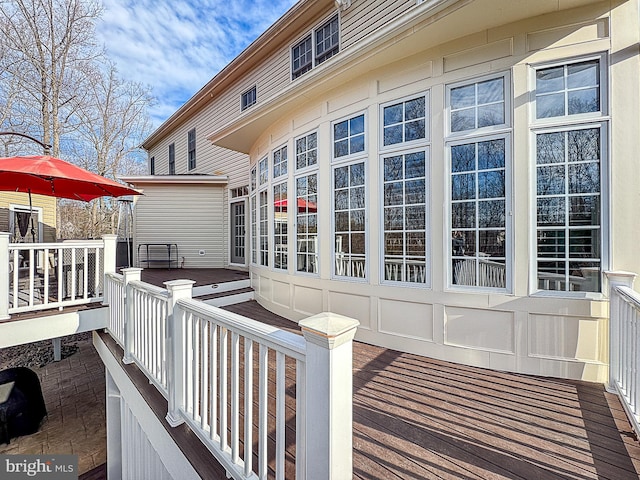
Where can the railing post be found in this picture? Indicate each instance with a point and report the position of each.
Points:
(129, 275)
(109, 254)
(4, 275)
(329, 396)
(178, 289)
(616, 279)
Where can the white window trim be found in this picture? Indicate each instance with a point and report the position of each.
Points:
(428, 232)
(294, 154)
(605, 191)
(576, 119)
(284, 146)
(411, 143)
(312, 32)
(272, 229)
(351, 156)
(299, 174)
(508, 177)
(14, 207)
(367, 249)
(507, 125)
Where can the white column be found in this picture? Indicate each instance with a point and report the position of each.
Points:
(178, 289)
(4, 275)
(130, 275)
(616, 279)
(329, 396)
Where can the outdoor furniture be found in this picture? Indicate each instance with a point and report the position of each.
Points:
(158, 253)
(22, 406)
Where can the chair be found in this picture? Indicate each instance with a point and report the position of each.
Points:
(22, 406)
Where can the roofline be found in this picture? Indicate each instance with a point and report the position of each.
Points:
(261, 47)
(176, 179)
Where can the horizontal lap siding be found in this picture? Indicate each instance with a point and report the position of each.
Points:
(363, 18)
(191, 216)
(48, 205)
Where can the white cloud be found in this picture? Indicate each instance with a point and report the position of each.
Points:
(178, 46)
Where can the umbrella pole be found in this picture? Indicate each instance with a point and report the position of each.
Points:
(33, 231)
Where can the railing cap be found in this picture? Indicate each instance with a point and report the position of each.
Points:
(329, 329)
(621, 277)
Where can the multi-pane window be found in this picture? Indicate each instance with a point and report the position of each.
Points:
(248, 98)
(349, 220)
(280, 163)
(191, 140)
(327, 40)
(172, 159)
(404, 121)
(263, 171)
(152, 166)
(307, 223)
(263, 227)
(478, 213)
(568, 89)
(301, 57)
(280, 230)
(254, 228)
(348, 137)
(254, 178)
(569, 162)
(307, 150)
(405, 217)
(315, 48)
(477, 105)
(568, 200)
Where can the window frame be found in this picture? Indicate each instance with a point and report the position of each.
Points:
(487, 130)
(306, 174)
(283, 162)
(152, 166)
(306, 152)
(191, 149)
(311, 36)
(248, 98)
(172, 159)
(350, 155)
(405, 144)
(275, 235)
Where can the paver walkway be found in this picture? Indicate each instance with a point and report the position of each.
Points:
(74, 393)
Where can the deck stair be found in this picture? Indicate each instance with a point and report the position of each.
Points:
(226, 293)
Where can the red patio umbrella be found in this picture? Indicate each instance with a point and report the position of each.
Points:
(51, 176)
(303, 205)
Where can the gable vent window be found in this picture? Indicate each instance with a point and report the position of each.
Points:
(316, 47)
(191, 140)
(152, 166)
(248, 98)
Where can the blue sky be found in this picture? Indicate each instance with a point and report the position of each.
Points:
(177, 46)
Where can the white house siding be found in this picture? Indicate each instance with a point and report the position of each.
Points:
(363, 18)
(191, 216)
(517, 330)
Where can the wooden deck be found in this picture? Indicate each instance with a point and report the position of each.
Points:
(416, 417)
(202, 276)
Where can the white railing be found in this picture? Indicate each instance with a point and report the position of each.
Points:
(114, 296)
(39, 276)
(214, 366)
(624, 343)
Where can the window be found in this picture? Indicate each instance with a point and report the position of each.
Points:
(191, 140)
(240, 191)
(248, 98)
(280, 230)
(568, 89)
(404, 121)
(307, 223)
(172, 159)
(25, 224)
(479, 187)
(348, 137)
(253, 202)
(264, 227)
(405, 217)
(254, 178)
(569, 205)
(477, 105)
(301, 58)
(307, 150)
(478, 213)
(263, 171)
(327, 40)
(152, 166)
(316, 47)
(570, 166)
(280, 162)
(349, 220)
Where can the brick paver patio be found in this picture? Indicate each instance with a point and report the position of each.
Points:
(74, 393)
